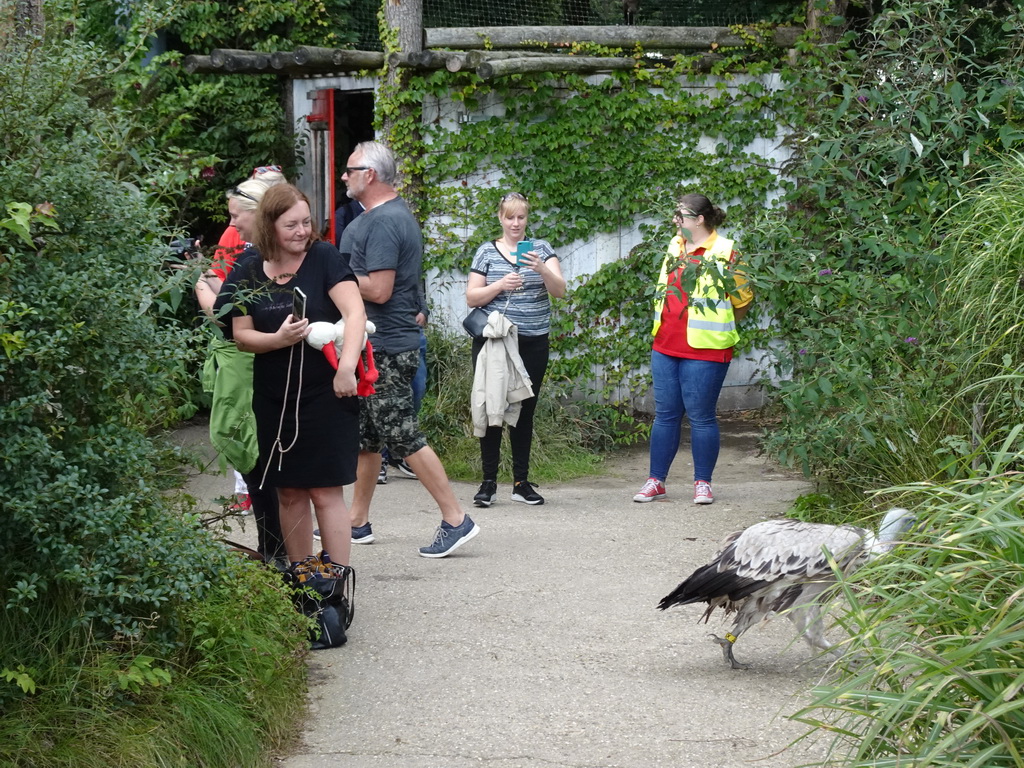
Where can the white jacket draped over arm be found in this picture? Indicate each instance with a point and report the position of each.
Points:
(500, 381)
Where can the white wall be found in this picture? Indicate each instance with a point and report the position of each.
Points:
(446, 292)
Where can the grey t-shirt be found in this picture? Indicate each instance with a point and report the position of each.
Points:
(388, 237)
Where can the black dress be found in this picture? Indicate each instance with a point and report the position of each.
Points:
(294, 385)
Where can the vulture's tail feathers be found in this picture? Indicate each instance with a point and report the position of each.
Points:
(706, 584)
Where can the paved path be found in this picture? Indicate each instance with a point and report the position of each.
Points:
(538, 643)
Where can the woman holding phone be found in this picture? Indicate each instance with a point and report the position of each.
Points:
(307, 413)
(516, 277)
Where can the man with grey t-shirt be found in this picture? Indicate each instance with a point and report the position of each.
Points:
(385, 248)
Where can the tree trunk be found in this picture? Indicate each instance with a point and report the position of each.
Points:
(404, 19)
(20, 19)
(819, 12)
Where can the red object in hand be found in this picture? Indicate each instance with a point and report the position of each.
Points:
(366, 371)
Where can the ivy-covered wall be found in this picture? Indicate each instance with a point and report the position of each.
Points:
(602, 159)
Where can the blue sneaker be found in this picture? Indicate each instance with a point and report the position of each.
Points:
(449, 538)
(362, 534)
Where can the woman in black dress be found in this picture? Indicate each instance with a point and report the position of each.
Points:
(307, 414)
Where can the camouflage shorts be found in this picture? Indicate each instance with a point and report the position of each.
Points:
(388, 417)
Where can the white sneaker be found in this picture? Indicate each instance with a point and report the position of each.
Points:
(702, 493)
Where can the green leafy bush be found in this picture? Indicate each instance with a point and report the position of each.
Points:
(222, 125)
(890, 128)
(936, 637)
(89, 367)
(130, 636)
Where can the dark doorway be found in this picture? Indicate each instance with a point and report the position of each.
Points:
(353, 123)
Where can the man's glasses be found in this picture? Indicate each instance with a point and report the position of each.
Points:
(239, 193)
(354, 168)
(266, 169)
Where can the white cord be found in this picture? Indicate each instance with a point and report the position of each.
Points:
(284, 407)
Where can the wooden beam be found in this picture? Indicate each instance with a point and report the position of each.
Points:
(231, 61)
(580, 64)
(475, 58)
(194, 63)
(220, 55)
(338, 58)
(673, 38)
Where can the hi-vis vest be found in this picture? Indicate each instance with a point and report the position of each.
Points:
(710, 321)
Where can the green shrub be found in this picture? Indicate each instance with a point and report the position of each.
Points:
(225, 125)
(937, 636)
(130, 636)
(89, 368)
(890, 128)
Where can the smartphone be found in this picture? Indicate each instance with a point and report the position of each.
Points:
(522, 248)
(298, 304)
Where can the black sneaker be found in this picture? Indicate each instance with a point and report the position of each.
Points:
(524, 491)
(404, 468)
(362, 534)
(487, 493)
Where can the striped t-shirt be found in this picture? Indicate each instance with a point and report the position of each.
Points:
(530, 306)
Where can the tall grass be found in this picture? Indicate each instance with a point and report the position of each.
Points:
(937, 636)
(232, 693)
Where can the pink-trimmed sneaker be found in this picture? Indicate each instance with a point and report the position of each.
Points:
(702, 493)
(653, 489)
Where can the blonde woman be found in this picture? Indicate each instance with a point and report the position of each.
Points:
(520, 286)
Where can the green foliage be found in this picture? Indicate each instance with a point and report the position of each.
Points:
(231, 691)
(217, 127)
(936, 632)
(889, 129)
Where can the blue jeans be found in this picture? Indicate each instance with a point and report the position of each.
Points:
(691, 387)
(419, 382)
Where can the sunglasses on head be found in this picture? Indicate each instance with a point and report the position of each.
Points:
(513, 196)
(239, 193)
(260, 170)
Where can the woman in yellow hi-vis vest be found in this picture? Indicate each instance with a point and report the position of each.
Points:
(694, 333)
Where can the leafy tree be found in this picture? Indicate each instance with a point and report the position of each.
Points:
(88, 365)
(235, 122)
(889, 128)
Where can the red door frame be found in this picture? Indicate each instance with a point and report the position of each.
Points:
(321, 119)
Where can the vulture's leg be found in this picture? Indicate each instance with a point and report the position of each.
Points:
(727, 643)
(807, 619)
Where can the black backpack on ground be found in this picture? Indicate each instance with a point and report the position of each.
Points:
(324, 591)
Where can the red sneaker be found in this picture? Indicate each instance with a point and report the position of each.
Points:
(702, 493)
(653, 489)
(241, 505)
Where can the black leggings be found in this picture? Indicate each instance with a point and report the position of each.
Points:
(264, 509)
(534, 352)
